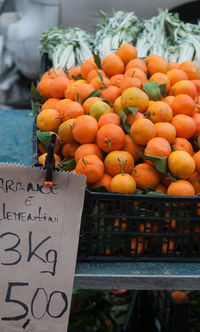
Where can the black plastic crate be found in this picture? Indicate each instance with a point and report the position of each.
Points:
(168, 315)
(139, 227)
(133, 227)
(132, 320)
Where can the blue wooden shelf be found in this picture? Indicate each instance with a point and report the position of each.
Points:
(16, 135)
(137, 275)
(16, 146)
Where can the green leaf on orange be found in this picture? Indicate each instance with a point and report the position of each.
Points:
(36, 94)
(44, 138)
(77, 77)
(99, 189)
(127, 128)
(97, 59)
(128, 110)
(154, 192)
(95, 93)
(163, 90)
(160, 163)
(67, 165)
(123, 117)
(153, 90)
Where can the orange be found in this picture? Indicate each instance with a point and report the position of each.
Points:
(185, 125)
(58, 86)
(185, 86)
(152, 57)
(99, 108)
(158, 147)
(182, 144)
(116, 79)
(94, 73)
(157, 65)
(165, 180)
(92, 167)
(136, 72)
(50, 103)
(110, 137)
(132, 147)
(89, 102)
(168, 100)
(197, 84)
(180, 296)
(42, 157)
(43, 88)
(181, 188)
(86, 149)
(142, 130)
(134, 97)
(111, 93)
(99, 84)
(112, 65)
(85, 129)
(117, 106)
(196, 118)
(132, 117)
(123, 184)
(181, 164)
(127, 52)
(108, 118)
(138, 245)
(194, 179)
(183, 104)
(147, 227)
(137, 63)
(159, 111)
(165, 130)
(173, 65)
(160, 78)
(169, 223)
(69, 109)
(161, 189)
(191, 69)
(71, 89)
(65, 131)
(74, 72)
(105, 181)
(82, 91)
(128, 82)
(176, 75)
(197, 101)
(196, 158)
(53, 73)
(48, 120)
(112, 164)
(68, 150)
(87, 66)
(146, 176)
(62, 105)
(167, 246)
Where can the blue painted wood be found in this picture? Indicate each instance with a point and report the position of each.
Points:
(138, 275)
(138, 268)
(16, 134)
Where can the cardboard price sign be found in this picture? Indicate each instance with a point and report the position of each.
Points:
(39, 232)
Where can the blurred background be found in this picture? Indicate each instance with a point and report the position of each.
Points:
(23, 21)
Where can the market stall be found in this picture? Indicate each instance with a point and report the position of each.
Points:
(141, 237)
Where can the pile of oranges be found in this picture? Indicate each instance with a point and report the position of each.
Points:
(119, 119)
